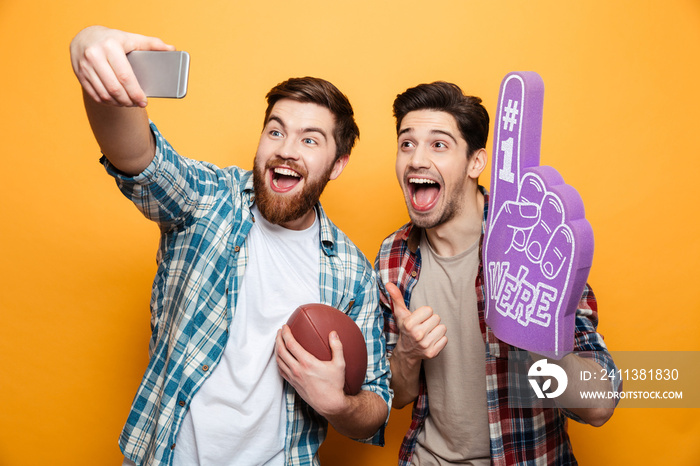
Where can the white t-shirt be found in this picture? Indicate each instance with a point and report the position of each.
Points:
(238, 417)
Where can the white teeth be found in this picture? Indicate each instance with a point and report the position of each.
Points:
(287, 172)
(421, 181)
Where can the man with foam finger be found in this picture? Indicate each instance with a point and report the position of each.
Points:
(444, 355)
(227, 383)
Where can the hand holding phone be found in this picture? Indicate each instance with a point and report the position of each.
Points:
(104, 71)
(161, 73)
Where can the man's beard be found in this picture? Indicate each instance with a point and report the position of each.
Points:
(282, 208)
(435, 219)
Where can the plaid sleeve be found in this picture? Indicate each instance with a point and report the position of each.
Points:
(394, 264)
(371, 322)
(391, 330)
(589, 342)
(587, 337)
(172, 189)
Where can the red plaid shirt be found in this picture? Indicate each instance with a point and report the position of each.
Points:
(517, 435)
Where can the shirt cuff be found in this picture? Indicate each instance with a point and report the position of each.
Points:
(149, 173)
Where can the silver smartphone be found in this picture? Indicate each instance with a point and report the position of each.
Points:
(161, 74)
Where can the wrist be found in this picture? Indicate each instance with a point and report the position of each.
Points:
(337, 408)
(404, 359)
(334, 404)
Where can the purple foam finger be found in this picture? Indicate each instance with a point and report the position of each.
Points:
(516, 139)
(534, 276)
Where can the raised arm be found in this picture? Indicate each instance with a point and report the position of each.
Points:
(114, 101)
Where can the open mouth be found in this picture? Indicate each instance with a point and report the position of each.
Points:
(283, 179)
(424, 192)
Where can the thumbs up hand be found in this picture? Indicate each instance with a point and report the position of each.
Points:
(421, 335)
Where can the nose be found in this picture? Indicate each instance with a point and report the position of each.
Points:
(288, 149)
(419, 158)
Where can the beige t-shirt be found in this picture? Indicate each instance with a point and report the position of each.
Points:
(456, 430)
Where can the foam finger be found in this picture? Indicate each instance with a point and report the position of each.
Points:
(517, 133)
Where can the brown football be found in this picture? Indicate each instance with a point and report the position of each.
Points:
(312, 323)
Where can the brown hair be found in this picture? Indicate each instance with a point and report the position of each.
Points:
(325, 94)
(472, 118)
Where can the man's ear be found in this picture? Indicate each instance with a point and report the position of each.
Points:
(339, 165)
(477, 163)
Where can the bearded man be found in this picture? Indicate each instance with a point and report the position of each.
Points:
(227, 383)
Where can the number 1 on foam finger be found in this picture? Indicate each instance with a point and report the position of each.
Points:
(506, 173)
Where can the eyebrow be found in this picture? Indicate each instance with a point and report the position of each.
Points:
(432, 131)
(311, 129)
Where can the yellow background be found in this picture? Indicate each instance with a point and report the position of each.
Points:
(621, 118)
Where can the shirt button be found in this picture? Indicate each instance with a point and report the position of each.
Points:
(172, 447)
(181, 403)
(205, 368)
(237, 248)
(414, 273)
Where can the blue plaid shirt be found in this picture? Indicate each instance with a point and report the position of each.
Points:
(204, 217)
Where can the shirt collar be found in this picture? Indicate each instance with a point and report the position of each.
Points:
(248, 191)
(328, 232)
